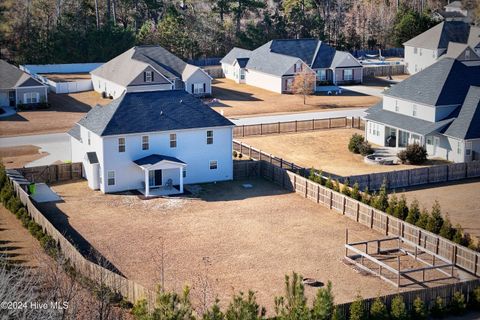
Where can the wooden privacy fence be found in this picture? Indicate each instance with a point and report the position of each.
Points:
(418, 176)
(53, 172)
(366, 215)
(132, 291)
(383, 70)
(297, 126)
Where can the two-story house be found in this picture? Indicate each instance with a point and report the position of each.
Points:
(428, 47)
(438, 107)
(274, 65)
(19, 88)
(149, 68)
(154, 142)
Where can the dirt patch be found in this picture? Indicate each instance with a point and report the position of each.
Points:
(458, 199)
(19, 156)
(66, 77)
(326, 150)
(246, 238)
(241, 100)
(65, 110)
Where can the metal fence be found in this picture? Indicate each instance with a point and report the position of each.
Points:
(205, 61)
(297, 126)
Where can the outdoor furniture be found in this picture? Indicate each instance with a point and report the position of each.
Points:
(169, 184)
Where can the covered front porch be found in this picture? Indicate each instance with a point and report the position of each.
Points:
(163, 175)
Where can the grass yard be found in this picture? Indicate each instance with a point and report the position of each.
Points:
(17, 157)
(458, 199)
(65, 110)
(324, 149)
(243, 100)
(247, 238)
(66, 77)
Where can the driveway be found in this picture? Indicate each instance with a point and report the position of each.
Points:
(299, 116)
(57, 145)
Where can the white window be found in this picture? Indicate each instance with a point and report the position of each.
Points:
(88, 138)
(184, 172)
(322, 75)
(213, 165)
(210, 137)
(429, 141)
(148, 75)
(459, 147)
(242, 74)
(111, 178)
(414, 111)
(121, 144)
(348, 74)
(198, 88)
(173, 140)
(415, 50)
(145, 143)
(468, 148)
(467, 54)
(370, 127)
(420, 51)
(31, 97)
(396, 106)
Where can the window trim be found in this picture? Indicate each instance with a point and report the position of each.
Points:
(209, 138)
(184, 172)
(89, 140)
(120, 145)
(29, 96)
(149, 76)
(414, 110)
(350, 77)
(213, 162)
(198, 88)
(145, 145)
(173, 142)
(114, 178)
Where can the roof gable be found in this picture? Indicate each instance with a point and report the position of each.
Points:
(467, 124)
(234, 54)
(12, 77)
(136, 112)
(440, 35)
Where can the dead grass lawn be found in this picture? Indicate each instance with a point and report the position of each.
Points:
(243, 100)
(17, 157)
(249, 238)
(324, 149)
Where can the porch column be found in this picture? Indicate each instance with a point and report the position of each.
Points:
(397, 137)
(181, 179)
(147, 184)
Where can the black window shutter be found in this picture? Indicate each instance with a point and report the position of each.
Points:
(153, 76)
(204, 87)
(192, 87)
(144, 77)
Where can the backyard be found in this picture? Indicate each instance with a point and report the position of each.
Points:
(65, 110)
(246, 238)
(324, 149)
(17, 157)
(457, 199)
(243, 100)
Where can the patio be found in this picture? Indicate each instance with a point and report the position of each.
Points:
(160, 191)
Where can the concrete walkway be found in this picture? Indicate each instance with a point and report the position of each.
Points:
(299, 116)
(56, 144)
(9, 111)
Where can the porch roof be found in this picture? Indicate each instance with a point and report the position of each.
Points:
(154, 159)
(406, 123)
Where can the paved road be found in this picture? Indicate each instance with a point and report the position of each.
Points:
(299, 116)
(56, 144)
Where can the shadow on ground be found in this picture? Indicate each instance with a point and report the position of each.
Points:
(228, 94)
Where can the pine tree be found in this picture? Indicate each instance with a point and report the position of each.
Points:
(323, 305)
(346, 188)
(398, 309)
(357, 311)
(392, 204)
(458, 235)
(214, 313)
(336, 186)
(458, 304)
(419, 310)
(329, 183)
(244, 308)
(366, 197)
(423, 219)
(447, 230)
(413, 212)
(438, 308)
(435, 220)
(355, 194)
(401, 210)
(337, 315)
(378, 311)
(294, 305)
(381, 200)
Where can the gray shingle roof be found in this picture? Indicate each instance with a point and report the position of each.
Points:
(156, 158)
(13, 77)
(74, 132)
(401, 121)
(454, 4)
(467, 124)
(136, 112)
(440, 35)
(455, 50)
(124, 68)
(234, 54)
(446, 82)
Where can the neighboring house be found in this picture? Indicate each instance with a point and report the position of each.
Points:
(149, 68)
(426, 48)
(19, 88)
(274, 65)
(438, 107)
(454, 11)
(154, 142)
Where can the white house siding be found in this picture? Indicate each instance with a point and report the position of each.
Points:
(102, 85)
(199, 76)
(424, 112)
(263, 80)
(375, 133)
(152, 87)
(416, 62)
(191, 149)
(228, 71)
(4, 101)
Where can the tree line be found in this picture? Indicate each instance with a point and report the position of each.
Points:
(67, 31)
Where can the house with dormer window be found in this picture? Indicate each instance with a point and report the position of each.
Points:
(438, 108)
(149, 68)
(153, 142)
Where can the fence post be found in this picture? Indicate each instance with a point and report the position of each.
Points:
(278, 126)
(387, 225)
(331, 199)
(329, 123)
(313, 124)
(344, 205)
(243, 131)
(318, 193)
(371, 218)
(281, 163)
(296, 126)
(261, 128)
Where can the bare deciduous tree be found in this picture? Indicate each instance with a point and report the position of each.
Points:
(304, 83)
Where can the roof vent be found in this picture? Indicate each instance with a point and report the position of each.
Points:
(161, 112)
(181, 101)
